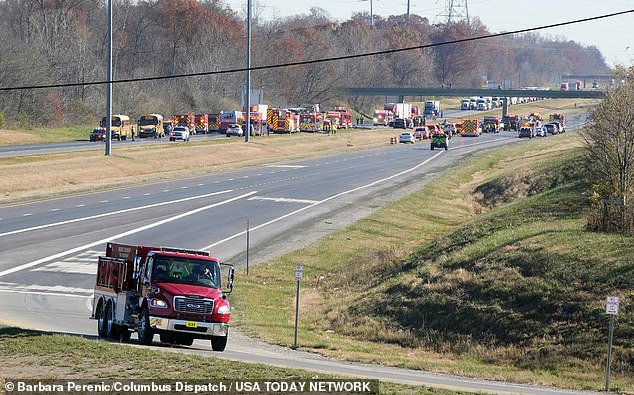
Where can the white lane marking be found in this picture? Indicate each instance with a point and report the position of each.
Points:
(54, 209)
(319, 202)
(27, 215)
(184, 187)
(14, 291)
(32, 288)
(70, 221)
(166, 190)
(283, 200)
(80, 205)
(126, 197)
(289, 166)
(147, 194)
(120, 235)
(104, 201)
(259, 174)
(83, 263)
(70, 267)
(200, 185)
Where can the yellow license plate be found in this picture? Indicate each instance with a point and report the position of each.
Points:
(191, 324)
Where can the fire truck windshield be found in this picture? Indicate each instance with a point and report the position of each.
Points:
(186, 271)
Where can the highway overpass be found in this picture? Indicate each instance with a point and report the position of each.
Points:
(428, 92)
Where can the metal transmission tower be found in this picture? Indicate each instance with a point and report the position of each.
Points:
(455, 10)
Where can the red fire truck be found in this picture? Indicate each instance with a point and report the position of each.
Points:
(345, 118)
(383, 117)
(201, 123)
(281, 120)
(213, 122)
(311, 122)
(173, 292)
(187, 120)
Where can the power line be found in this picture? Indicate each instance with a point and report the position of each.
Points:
(305, 62)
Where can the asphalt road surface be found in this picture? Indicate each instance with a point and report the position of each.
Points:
(8, 151)
(49, 247)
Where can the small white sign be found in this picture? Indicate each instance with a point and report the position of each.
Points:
(299, 272)
(612, 305)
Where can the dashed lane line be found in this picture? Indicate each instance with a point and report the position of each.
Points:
(120, 235)
(111, 213)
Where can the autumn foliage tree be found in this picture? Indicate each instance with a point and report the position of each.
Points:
(609, 145)
(65, 41)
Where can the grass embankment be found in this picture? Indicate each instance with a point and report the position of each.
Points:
(486, 272)
(27, 354)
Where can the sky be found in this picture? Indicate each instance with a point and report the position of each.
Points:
(613, 36)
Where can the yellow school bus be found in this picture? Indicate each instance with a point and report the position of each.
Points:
(150, 125)
(120, 127)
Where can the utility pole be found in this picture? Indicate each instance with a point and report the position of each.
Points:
(408, 10)
(371, 15)
(109, 85)
(248, 92)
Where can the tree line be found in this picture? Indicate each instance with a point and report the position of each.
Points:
(65, 41)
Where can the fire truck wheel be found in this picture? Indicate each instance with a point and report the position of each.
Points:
(101, 321)
(145, 332)
(218, 343)
(110, 330)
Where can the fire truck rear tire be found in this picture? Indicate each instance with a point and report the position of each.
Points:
(145, 332)
(110, 327)
(101, 321)
(218, 343)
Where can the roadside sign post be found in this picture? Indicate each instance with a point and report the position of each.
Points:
(299, 274)
(612, 309)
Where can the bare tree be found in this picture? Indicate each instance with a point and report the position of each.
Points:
(609, 144)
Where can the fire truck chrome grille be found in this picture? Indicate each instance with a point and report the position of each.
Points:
(193, 305)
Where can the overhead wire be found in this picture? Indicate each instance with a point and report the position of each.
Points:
(324, 60)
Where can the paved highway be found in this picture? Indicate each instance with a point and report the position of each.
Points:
(49, 247)
(8, 151)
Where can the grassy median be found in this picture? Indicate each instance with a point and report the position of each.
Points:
(486, 272)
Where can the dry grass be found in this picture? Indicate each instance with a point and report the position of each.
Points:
(30, 177)
(347, 274)
(8, 137)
